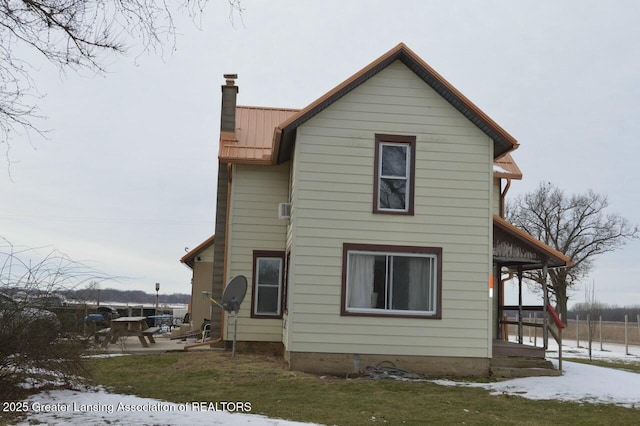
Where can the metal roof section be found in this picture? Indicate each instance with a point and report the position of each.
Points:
(285, 133)
(506, 167)
(252, 142)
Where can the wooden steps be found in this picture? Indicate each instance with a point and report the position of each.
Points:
(512, 349)
(512, 367)
(511, 360)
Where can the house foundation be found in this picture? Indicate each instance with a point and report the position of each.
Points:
(342, 364)
(261, 348)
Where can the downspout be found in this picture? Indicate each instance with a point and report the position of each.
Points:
(503, 195)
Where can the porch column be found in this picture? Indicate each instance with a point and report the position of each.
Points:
(498, 284)
(520, 327)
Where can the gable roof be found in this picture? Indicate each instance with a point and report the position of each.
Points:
(189, 258)
(285, 133)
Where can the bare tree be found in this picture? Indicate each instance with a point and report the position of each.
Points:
(30, 333)
(577, 225)
(592, 312)
(76, 35)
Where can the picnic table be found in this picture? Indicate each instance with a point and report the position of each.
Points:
(131, 326)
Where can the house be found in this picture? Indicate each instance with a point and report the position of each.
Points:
(200, 261)
(368, 224)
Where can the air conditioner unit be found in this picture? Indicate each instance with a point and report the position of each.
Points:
(284, 210)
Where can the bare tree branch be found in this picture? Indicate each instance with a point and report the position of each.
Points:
(76, 35)
(577, 226)
(29, 334)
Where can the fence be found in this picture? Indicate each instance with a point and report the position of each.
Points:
(626, 333)
(623, 333)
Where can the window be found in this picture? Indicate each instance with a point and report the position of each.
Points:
(391, 280)
(267, 284)
(394, 174)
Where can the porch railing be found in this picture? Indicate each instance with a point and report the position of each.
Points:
(558, 337)
(552, 324)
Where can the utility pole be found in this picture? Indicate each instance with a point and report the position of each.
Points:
(157, 298)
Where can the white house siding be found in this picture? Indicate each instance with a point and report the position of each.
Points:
(256, 192)
(332, 204)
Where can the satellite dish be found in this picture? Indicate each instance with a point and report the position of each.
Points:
(232, 297)
(234, 294)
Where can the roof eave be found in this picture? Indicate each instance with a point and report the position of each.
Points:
(188, 259)
(507, 175)
(285, 132)
(235, 160)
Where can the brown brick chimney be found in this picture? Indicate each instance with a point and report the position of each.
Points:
(228, 111)
(227, 135)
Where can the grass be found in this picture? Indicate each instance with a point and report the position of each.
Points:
(273, 391)
(620, 365)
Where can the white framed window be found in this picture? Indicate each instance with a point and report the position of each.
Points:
(394, 174)
(268, 268)
(391, 280)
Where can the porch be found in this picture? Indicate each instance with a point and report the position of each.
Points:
(514, 252)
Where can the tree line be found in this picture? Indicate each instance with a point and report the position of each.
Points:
(606, 311)
(107, 295)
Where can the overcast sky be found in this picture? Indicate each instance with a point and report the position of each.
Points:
(126, 179)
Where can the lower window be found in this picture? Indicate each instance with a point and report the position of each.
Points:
(391, 280)
(268, 269)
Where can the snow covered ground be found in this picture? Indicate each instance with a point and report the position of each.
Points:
(99, 407)
(583, 383)
(579, 382)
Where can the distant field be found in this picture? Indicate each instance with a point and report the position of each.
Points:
(612, 332)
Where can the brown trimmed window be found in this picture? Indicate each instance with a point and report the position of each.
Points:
(391, 280)
(268, 279)
(394, 172)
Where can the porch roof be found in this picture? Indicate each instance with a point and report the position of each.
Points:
(514, 247)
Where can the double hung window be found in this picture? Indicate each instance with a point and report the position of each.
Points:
(394, 174)
(267, 284)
